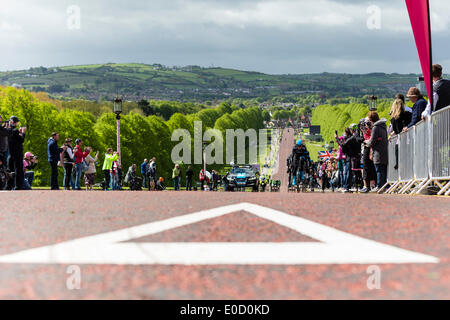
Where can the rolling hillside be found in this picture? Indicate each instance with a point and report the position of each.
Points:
(138, 81)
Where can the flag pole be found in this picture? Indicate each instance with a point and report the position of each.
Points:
(431, 96)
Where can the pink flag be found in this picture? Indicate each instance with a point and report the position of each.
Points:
(419, 15)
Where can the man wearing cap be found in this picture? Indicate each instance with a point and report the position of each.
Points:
(419, 105)
(15, 160)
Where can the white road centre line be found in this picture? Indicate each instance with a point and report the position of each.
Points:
(335, 247)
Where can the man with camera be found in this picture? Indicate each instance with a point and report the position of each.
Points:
(4, 134)
(30, 162)
(15, 161)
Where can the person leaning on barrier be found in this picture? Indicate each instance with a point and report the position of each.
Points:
(419, 105)
(399, 122)
(379, 143)
(441, 92)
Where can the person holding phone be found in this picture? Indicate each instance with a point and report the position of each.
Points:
(89, 175)
(4, 134)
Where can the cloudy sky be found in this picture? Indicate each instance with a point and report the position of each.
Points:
(272, 36)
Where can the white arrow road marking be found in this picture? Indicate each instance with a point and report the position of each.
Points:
(335, 247)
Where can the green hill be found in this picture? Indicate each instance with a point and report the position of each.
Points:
(136, 81)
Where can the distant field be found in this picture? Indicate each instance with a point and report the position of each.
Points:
(137, 80)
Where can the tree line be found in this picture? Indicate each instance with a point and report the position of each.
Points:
(145, 133)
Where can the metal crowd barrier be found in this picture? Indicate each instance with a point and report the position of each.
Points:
(423, 157)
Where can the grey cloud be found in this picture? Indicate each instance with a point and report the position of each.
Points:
(178, 33)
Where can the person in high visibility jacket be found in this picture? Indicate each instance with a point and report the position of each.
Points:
(110, 157)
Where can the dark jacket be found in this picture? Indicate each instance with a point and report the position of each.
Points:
(299, 156)
(15, 142)
(4, 134)
(418, 108)
(53, 151)
(66, 156)
(442, 88)
(403, 121)
(144, 168)
(189, 173)
(352, 146)
(379, 142)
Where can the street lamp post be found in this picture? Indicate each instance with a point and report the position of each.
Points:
(373, 103)
(118, 111)
(204, 164)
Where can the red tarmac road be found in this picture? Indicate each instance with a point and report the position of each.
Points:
(286, 145)
(41, 218)
(420, 224)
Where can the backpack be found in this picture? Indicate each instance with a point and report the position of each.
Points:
(84, 166)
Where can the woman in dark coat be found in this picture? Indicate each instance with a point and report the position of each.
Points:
(379, 144)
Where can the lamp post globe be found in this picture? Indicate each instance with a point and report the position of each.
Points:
(373, 103)
(118, 106)
(118, 110)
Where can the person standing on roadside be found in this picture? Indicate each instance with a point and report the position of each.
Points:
(107, 165)
(68, 163)
(151, 172)
(89, 175)
(189, 178)
(54, 156)
(15, 161)
(4, 134)
(144, 173)
(79, 158)
(176, 176)
(379, 144)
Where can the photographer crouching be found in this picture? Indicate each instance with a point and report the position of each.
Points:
(30, 162)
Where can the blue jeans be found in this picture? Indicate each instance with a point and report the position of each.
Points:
(341, 179)
(144, 180)
(176, 183)
(347, 174)
(333, 184)
(28, 181)
(381, 170)
(78, 173)
(114, 181)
